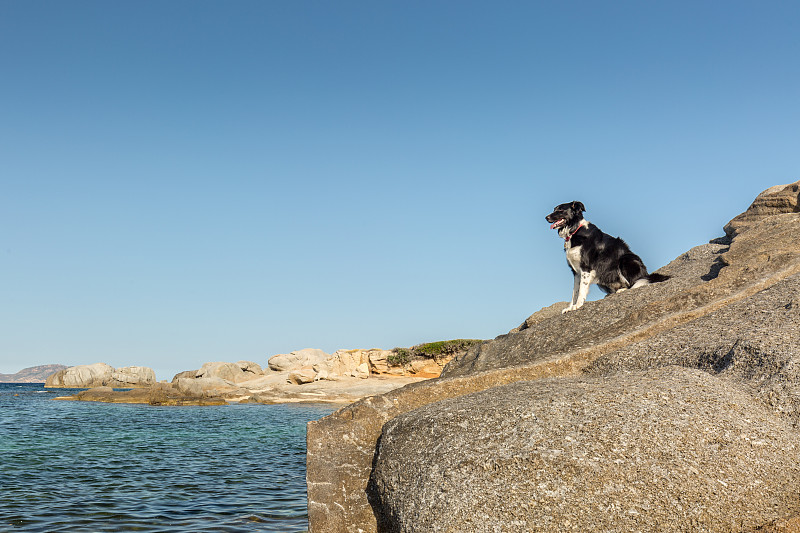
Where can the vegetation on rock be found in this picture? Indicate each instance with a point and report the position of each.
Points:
(437, 351)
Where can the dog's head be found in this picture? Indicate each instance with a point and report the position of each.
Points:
(569, 214)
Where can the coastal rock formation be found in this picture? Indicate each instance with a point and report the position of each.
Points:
(233, 372)
(96, 375)
(311, 365)
(133, 376)
(286, 362)
(309, 375)
(631, 452)
(101, 375)
(33, 374)
(208, 387)
(669, 407)
(158, 394)
(298, 385)
(302, 375)
(343, 377)
(352, 363)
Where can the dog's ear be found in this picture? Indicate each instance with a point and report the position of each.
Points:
(578, 206)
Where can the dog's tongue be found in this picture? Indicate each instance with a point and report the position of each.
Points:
(556, 224)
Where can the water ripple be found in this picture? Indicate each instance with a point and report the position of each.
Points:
(74, 466)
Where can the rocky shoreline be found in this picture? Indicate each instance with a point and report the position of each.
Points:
(671, 407)
(308, 375)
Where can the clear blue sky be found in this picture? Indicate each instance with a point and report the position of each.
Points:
(192, 181)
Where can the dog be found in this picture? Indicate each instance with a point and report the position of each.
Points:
(596, 257)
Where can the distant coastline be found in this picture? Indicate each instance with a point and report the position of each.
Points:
(33, 374)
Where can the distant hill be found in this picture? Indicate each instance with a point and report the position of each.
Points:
(34, 374)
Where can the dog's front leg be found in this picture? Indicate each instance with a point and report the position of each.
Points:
(581, 290)
(576, 285)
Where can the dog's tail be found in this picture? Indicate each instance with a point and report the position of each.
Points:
(656, 278)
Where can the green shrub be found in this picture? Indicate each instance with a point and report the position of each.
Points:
(439, 349)
(432, 350)
(400, 357)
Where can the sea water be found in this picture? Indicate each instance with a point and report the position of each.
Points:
(86, 466)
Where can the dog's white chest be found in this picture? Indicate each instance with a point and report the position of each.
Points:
(574, 258)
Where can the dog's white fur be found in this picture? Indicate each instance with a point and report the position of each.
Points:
(582, 280)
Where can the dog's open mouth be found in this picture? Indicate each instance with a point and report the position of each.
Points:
(558, 223)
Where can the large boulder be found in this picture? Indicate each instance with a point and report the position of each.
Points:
(184, 374)
(102, 375)
(287, 362)
(233, 372)
(209, 386)
(728, 316)
(133, 376)
(647, 451)
(345, 363)
(81, 376)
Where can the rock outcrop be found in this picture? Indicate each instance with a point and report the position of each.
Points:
(158, 394)
(674, 406)
(286, 362)
(81, 376)
(132, 376)
(640, 451)
(233, 372)
(101, 375)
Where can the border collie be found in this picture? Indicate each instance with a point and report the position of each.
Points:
(595, 257)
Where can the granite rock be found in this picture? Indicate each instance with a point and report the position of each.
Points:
(132, 376)
(101, 375)
(233, 372)
(81, 376)
(157, 394)
(210, 386)
(631, 452)
(298, 359)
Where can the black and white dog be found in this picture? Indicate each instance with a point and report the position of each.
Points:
(596, 257)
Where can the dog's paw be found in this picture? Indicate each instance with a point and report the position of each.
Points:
(567, 309)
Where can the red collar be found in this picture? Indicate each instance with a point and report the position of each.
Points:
(566, 239)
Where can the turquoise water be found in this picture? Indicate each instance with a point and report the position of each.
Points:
(80, 466)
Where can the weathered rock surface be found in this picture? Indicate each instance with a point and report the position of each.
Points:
(208, 387)
(96, 375)
(776, 200)
(352, 363)
(233, 372)
(286, 362)
(302, 375)
(629, 452)
(133, 376)
(343, 391)
(158, 394)
(727, 318)
(101, 375)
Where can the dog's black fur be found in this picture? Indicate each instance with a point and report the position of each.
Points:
(595, 257)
